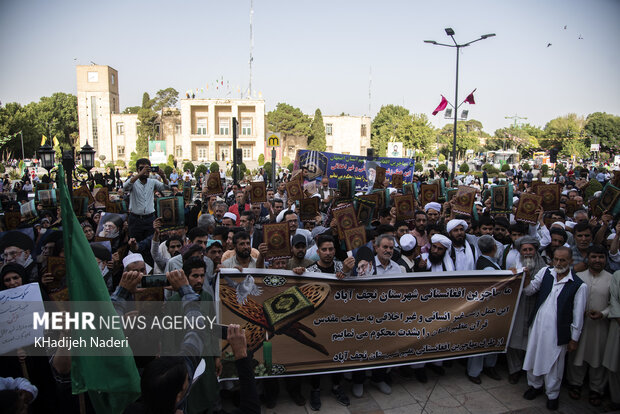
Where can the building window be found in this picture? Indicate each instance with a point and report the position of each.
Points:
(201, 126)
(246, 126)
(247, 152)
(203, 152)
(120, 150)
(178, 151)
(113, 106)
(93, 118)
(177, 128)
(328, 129)
(120, 128)
(363, 131)
(224, 126)
(93, 76)
(113, 79)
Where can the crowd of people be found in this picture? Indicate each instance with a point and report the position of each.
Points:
(566, 329)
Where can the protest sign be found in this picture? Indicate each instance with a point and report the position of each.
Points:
(317, 323)
(17, 306)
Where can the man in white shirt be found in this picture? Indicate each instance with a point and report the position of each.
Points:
(463, 254)
(555, 327)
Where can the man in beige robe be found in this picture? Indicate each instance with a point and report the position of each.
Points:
(589, 355)
(611, 358)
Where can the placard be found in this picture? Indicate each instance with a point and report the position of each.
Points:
(172, 212)
(526, 210)
(259, 192)
(464, 200)
(17, 306)
(278, 240)
(355, 237)
(308, 208)
(294, 190)
(345, 219)
(405, 207)
(550, 194)
(214, 184)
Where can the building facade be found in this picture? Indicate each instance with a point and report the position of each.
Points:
(206, 128)
(201, 130)
(98, 100)
(346, 134)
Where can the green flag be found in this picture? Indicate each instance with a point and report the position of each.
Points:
(112, 382)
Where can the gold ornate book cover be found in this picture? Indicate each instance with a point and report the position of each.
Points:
(12, 219)
(594, 207)
(101, 197)
(287, 307)
(550, 194)
(345, 189)
(83, 191)
(345, 219)
(80, 205)
(526, 210)
(259, 192)
(609, 198)
(464, 200)
(381, 200)
(429, 193)
(408, 188)
(276, 235)
(365, 211)
(535, 185)
(451, 192)
(499, 198)
(571, 207)
(214, 184)
(294, 190)
(355, 237)
(404, 207)
(188, 194)
(308, 208)
(57, 267)
(380, 177)
(168, 212)
(397, 181)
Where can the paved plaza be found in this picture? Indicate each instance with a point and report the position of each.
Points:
(451, 393)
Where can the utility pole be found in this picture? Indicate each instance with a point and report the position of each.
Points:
(516, 119)
(251, 44)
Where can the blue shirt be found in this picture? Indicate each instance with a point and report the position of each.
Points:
(141, 196)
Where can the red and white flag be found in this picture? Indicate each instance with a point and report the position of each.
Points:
(470, 98)
(442, 105)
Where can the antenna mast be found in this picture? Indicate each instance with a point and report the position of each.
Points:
(251, 46)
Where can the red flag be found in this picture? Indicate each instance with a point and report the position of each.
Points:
(442, 105)
(470, 98)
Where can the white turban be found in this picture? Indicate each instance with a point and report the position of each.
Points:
(407, 242)
(136, 257)
(230, 215)
(435, 206)
(281, 214)
(570, 224)
(440, 238)
(454, 223)
(559, 223)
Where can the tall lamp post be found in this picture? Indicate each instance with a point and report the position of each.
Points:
(450, 33)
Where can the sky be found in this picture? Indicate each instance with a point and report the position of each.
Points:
(326, 54)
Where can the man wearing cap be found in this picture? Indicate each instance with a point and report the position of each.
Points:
(17, 247)
(141, 190)
(433, 211)
(229, 219)
(298, 246)
(462, 253)
(134, 262)
(409, 253)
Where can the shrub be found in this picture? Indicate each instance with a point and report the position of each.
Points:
(167, 170)
(170, 160)
(290, 166)
(593, 187)
(162, 167)
(490, 169)
(2, 168)
(201, 169)
(545, 169)
(215, 167)
(442, 167)
(561, 168)
(261, 159)
(505, 167)
(120, 163)
(189, 166)
(97, 164)
(442, 158)
(525, 166)
(267, 168)
(419, 166)
(464, 168)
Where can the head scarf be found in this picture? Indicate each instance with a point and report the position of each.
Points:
(432, 205)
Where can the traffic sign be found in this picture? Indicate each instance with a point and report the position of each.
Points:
(273, 140)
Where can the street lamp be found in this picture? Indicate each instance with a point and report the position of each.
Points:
(450, 33)
(87, 155)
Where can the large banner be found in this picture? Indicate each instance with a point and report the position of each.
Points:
(317, 323)
(338, 166)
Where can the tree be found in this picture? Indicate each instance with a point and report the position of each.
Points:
(562, 129)
(464, 168)
(189, 166)
(146, 130)
(517, 138)
(316, 138)
(165, 98)
(419, 167)
(261, 159)
(147, 102)
(603, 127)
(132, 109)
(464, 140)
(214, 167)
(288, 120)
(394, 123)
